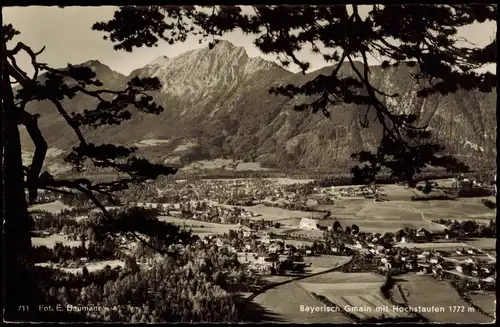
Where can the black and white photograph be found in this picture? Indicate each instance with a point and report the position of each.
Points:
(249, 163)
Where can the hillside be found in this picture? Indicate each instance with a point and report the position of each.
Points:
(217, 104)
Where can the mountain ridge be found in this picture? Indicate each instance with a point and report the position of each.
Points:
(219, 99)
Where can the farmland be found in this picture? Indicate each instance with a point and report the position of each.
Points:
(282, 294)
(91, 266)
(358, 293)
(433, 246)
(272, 213)
(284, 303)
(485, 301)
(325, 262)
(51, 240)
(428, 292)
(200, 228)
(482, 243)
(52, 207)
(226, 164)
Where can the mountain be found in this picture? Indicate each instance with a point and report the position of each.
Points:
(217, 104)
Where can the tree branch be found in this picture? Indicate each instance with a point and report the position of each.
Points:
(21, 46)
(31, 123)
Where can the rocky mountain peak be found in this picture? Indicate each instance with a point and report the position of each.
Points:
(221, 96)
(198, 72)
(103, 71)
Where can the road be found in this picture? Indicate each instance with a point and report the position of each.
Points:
(476, 279)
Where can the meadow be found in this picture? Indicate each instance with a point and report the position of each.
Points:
(200, 228)
(427, 291)
(485, 301)
(284, 303)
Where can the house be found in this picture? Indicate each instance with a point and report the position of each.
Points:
(491, 279)
(219, 242)
(437, 269)
(423, 271)
(459, 268)
(275, 248)
(247, 232)
(422, 233)
(307, 223)
(312, 202)
(406, 258)
(261, 258)
(423, 255)
(379, 249)
(459, 252)
(436, 260)
(487, 270)
(471, 251)
(447, 265)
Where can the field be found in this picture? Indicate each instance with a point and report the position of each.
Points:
(486, 301)
(283, 304)
(428, 292)
(200, 228)
(318, 263)
(288, 181)
(482, 243)
(52, 207)
(433, 246)
(369, 215)
(277, 214)
(358, 293)
(91, 266)
(151, 142)
(51, 240)
(460, 209)
(298, 243)
(324, 262)
(227, 164)
(310, 233)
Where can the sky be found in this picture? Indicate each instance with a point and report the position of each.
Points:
(67, 35)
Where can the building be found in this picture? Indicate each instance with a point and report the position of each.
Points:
(307, 223)
(422, 233)
(436, 260)
(247, 232)
(276, 247)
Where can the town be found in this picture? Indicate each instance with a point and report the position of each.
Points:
(270, 236)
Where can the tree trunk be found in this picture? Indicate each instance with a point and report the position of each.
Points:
(17, 284)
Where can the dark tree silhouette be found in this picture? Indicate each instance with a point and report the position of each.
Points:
(337, 227)
(114, 107)
(421, 36)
